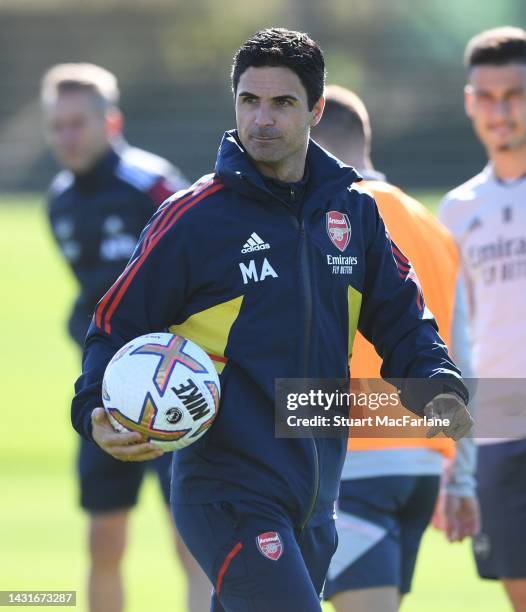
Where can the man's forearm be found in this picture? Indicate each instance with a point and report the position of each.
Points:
(461, 481)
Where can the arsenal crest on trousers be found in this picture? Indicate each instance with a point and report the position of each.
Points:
(270, 545)
(339, 229)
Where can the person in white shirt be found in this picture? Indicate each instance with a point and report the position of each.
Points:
(487, 216)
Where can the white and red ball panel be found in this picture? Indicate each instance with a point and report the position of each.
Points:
(163, 386)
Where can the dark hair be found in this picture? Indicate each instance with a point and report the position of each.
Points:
(496, 47)
(286, 48)
(345, 120)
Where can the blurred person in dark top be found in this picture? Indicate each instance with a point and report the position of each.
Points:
(98, 205)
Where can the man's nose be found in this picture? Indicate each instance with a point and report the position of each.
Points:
(500, 108)
(66, 134)
(264, 116)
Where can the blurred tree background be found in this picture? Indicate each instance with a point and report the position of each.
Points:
(172, 57)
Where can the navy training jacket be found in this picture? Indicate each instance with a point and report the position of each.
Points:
(269, 291)
(97, 217)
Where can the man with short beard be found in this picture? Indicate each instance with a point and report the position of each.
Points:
(240, 264)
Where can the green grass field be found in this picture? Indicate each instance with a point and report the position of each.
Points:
(41, 528)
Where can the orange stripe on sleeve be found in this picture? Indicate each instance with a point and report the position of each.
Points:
(166, 213)
(113, 298)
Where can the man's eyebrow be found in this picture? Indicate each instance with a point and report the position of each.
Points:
(248, 94)
(286, 97)
(511, 90)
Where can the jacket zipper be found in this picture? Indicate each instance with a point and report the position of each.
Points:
(306, 279)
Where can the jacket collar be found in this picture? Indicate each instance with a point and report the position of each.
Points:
(327, 174)
(100, 172)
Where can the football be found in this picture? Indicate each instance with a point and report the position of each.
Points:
(163, 386)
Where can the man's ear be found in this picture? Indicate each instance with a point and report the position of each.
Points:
(469, 100)
(114, 123)
(317, 112)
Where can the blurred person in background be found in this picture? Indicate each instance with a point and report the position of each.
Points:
(390, 485)
(98, 206)
(487, 216)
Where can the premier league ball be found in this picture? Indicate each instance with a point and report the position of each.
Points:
(163, 386)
